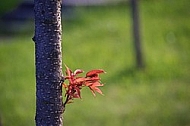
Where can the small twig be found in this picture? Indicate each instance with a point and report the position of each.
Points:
(67, 99)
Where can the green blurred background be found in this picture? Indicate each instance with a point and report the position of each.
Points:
(8, 5)
(101, 37)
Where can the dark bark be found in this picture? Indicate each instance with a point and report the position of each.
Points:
(136, 34)
(48, 61)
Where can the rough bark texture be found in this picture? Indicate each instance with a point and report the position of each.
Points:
(47, 38)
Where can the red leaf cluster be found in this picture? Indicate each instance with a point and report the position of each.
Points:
(91, 80)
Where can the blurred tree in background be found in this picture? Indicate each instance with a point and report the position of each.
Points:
(136, 33)
(7, 5)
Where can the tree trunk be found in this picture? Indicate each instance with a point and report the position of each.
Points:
(48, 61)
(136, 34)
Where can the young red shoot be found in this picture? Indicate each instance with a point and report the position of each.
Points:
(76, 83)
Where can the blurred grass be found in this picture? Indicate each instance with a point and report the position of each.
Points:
(100, 37)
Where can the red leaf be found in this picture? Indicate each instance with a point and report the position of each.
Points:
(78, 71)
(94, 88)
(64, 85)
(79, 80)
(68, 71)
(77, 94)
(94, 73)
(73, 89)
